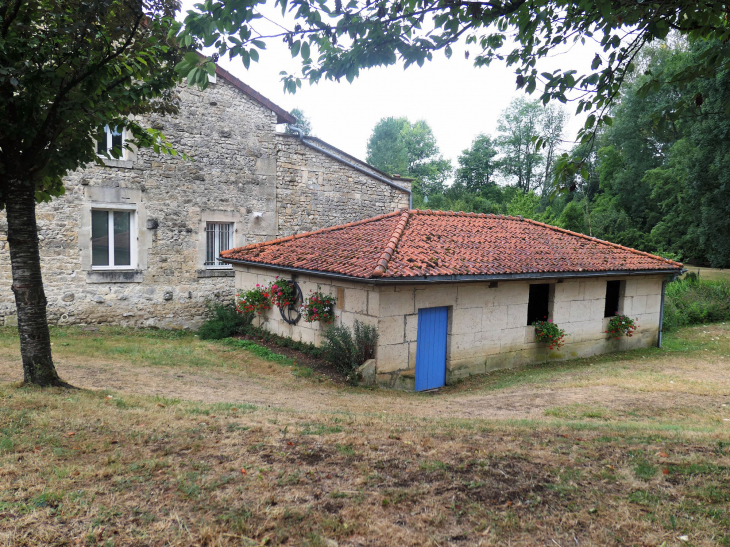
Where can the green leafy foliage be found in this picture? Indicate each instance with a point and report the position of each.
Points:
(256, 300)
(397, 146)
(337, 40)
(692, 301)
(347, 350)
(319, 307)
(621, 325)
(59, 86)
(549, 333)
(224, 321)
(303, 123)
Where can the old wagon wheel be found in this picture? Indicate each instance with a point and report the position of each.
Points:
(292, 313)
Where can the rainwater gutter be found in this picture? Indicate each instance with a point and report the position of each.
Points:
(430, 279)
(356, 167)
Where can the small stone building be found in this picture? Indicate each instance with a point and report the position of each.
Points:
(456, 294)
(135, 242)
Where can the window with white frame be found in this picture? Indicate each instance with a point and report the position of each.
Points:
(113, 239)
(109, 138)
(218, 238)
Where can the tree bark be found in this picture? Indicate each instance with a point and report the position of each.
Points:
(30, 298)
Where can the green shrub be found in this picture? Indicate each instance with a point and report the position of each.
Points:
(691, 301)
(347, 350)
(224, 321)
(304, 347)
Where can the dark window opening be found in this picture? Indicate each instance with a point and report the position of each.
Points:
(538, 304)
(613, 292)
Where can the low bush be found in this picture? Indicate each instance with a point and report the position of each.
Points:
(224, 321)
(347, 350)
(692, 301)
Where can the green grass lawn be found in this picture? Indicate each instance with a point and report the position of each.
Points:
(709, 274)
(108, 468)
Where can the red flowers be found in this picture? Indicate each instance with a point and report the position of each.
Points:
(621, 325)
(319, 307)
(550, 334)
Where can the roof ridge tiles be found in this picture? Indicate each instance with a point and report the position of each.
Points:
(387, 253)
(307, 234)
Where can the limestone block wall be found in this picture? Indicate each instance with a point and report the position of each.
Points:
(355, 301)
(232, 177)
(230, 139)
(314, 190)
(488, 324)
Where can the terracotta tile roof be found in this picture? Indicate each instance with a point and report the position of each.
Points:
(417, 243)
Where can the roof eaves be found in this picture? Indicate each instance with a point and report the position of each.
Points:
(457, 278)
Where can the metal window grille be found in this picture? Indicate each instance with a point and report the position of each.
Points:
(218, 238)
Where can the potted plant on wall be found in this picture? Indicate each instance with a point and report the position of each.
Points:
(621, 325)
(319, 307)
(256, 300)
(549, 333)
(283, 292)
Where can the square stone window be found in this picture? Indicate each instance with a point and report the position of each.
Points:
(218, 238)
(113, 239)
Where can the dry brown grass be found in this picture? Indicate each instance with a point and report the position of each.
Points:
(109, 468)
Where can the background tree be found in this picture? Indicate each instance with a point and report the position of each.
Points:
(336, 40)
(67, 69)
(520, 160)
(397, 146)
(477, 165)
(303, 123)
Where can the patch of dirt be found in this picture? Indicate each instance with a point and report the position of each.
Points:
(525, 402)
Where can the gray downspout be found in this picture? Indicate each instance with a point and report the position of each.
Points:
(356, 167)
(661, 305)
(661, 315)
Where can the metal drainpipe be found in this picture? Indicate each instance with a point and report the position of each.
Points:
(356, 167)
(661, 315)
(661, 305)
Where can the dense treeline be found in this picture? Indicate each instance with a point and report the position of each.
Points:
(658, 179)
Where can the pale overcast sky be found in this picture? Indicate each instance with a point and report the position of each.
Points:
(457, 100)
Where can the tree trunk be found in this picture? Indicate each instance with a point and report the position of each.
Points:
(30, 299)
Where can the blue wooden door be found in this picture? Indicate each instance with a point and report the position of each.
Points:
(431, 348)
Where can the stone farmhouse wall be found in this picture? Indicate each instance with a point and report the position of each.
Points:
(236, 175)
(310, 188)
(487, 327)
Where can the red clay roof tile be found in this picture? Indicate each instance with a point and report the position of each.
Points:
(428, 243)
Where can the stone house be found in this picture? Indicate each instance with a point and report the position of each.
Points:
(456, 294)
(135, 242)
